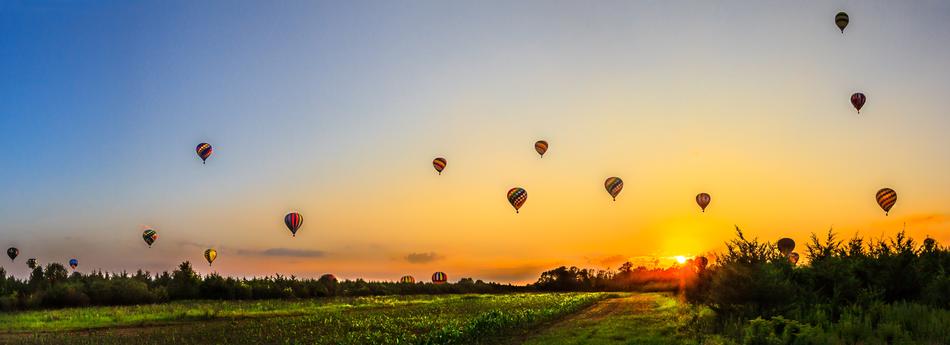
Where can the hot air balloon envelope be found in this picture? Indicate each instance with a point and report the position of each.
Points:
(439, 164)
(841, 20)
(541, 147)
(886, 198)
(12, 253)
(703, 200)
(516, 197)
(613, 185)
(786, 245)
(293, 221)
(204, 151)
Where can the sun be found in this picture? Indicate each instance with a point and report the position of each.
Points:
(680, 259)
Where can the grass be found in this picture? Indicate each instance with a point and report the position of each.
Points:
(443, 319)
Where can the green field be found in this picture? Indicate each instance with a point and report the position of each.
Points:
(541, 318)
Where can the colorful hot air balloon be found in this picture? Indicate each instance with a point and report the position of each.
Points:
(786, 245)
(12, 253)
(857, 100)
(517, 196)
(328, 278)
(407, 280)
(73, 263)
(439, 278)
(703, 200)
(149, 235)
(31, 263)
(793, 258)
(614, 185)
(210, 255)
(439, 164)
(886, 198)
(293, 221)
(841, 20)
(541, 146)
(204, 151)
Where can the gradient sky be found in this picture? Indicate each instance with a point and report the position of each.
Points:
(336, 109)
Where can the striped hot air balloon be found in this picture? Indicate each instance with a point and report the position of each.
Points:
(439, 164)
(841, 20)
(886, 198)
(204, 151)
(149, 235)
(293, 221)
(541, 146)
(210, 255)
(439, 278)
(614, 185)
(703, 200)
(857, 100)
(407, 280)
(517, 196)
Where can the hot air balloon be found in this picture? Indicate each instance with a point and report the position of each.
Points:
(293, 221)
(210, 255)
(12, 253)
(614, 185)
(701, 262)
(929, 244)
(149, 235)
(541, 146)
(517, 196)
(439, 164)
(793, 257)
(73, 263)
(439, 278)
(886, 198)
(407, 280)
(204, 151)
(703, 200)
(328, 278)
(786, 245)
(857, 100)
(31, 263)
(841, 20)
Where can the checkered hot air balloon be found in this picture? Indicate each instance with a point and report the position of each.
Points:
(439, 278)
(517, 196)
(149, 235)
(613, 185)
(703, 200)
(293, 221)
(204, 151)
(439, 164)
(541, 147)
(886, 198)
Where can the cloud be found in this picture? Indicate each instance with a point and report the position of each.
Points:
(422, 258)
(518, 274)
(608, 261)
(927, 219)
(285, 252)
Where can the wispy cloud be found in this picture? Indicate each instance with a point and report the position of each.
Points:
(422, 258)
(285, 252)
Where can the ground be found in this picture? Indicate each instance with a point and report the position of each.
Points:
(571, 318)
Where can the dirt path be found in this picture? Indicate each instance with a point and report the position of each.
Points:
(636, 319)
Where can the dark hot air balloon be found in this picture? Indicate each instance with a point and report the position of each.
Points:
(541, 146)
(293, 221)
(439, 278)
(857, 100)
(793, 258)
(12, 253)
(929, 244)
(786, 245)
(886, 198)
(210, 255)
(703, 200)
(407, 280)
(73, 263)
(841, 20)
(204, 151)
(328, 278)
(614, 185)
(439, 164)
(31, 263)
(517, 196)
(149, 235)
(701, 262)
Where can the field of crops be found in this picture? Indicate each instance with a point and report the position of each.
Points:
(444, 319)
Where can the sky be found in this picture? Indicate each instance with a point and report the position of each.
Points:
(336, 109)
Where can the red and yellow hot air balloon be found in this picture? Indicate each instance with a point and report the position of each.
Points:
(439, 278)
(614, 185)
(149, 235)
(210, 255)
(407, 280)
(541, 147)
(204, 151)
(857, 100)
(439, 164)
(703, 200)
(293, 221)
(886, 198)
(517, 196)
